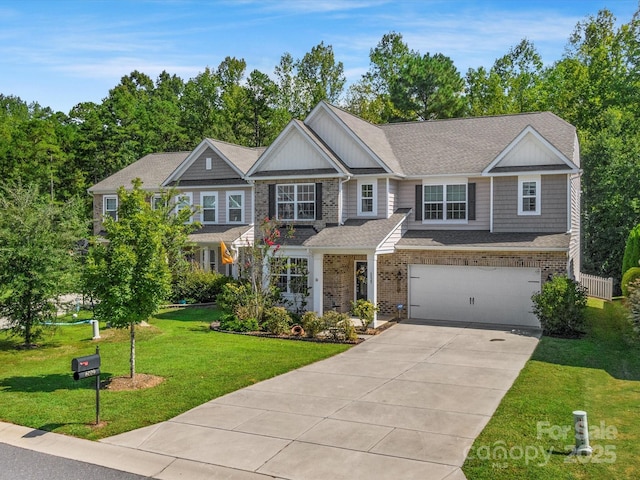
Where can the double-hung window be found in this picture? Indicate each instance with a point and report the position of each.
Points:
(296, 201)
(184, 200)
(209, 201)
(292, 275)
(445, 202)
(529, 195)
(110, 206)
(367, 198)
(235, 202)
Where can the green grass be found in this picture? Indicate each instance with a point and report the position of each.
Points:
(37, 389)
(599, 373)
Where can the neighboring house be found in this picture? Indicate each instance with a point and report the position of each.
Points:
(459, 219)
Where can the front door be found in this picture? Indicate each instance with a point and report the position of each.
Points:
(361, 280)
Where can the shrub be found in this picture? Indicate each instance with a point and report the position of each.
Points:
(633, 302)
(560, 307)
(631, 255)
(364, 310)
(312, 324)
(231, 295)
(197, 286)
(232, 323)
(339, 326)
(628, 278)
(276, 320)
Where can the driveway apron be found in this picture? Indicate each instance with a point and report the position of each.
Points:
(407, 403)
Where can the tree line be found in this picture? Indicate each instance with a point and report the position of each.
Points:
(595, 86)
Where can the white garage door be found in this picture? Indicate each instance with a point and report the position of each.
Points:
(473, 294)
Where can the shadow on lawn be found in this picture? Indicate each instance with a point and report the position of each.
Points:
(47, 383)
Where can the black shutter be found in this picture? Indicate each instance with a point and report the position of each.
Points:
(471, 201)
(318, 201)
(272, 200)
(418, 210)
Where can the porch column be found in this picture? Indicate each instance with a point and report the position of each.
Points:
(317, 283)
(372, 283)
(205, 264)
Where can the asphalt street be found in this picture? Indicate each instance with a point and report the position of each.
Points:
(21, 464)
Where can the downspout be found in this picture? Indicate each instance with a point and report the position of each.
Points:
(340, 200)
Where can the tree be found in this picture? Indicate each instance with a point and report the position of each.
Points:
(510, 86)
(320, 77)
(427, 88)
(129, 274)
(631, 256)
(37, 258)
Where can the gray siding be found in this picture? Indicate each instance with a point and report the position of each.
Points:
(553, 201)
(350, 196)
(222, 203)
(406, 199)
(220, 169)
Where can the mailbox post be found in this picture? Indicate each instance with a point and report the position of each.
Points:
(85, 367)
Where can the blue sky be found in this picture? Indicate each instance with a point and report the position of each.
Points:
(62, 52)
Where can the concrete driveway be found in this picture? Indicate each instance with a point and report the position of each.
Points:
(405, 404)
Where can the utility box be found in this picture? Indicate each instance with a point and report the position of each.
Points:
(84, 367)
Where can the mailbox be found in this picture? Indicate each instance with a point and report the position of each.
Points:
(84, 367)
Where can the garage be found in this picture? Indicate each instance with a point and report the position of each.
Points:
(500, 295)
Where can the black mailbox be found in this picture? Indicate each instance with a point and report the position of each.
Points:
(84, 367)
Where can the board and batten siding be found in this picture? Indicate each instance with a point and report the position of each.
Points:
(222, 203)
(343, 144)
(220, 169)
(294, 152)
(406, 199)
(553, 202)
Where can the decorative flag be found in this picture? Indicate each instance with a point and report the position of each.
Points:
(225, 253)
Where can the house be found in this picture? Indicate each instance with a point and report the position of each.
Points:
(459, 219)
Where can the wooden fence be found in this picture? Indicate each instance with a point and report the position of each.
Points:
(597, 287)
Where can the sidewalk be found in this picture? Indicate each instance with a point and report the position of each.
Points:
(407, 403)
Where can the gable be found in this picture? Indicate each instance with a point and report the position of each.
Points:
(220, 169)
(530, 151)
(295, 152)
(340, 140)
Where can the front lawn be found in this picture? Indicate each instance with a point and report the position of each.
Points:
(531, 433)
(37, 389)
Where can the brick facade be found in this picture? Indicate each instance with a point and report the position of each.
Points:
(330, 201)
(393, 272)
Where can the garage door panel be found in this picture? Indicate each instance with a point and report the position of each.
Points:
(499, 295)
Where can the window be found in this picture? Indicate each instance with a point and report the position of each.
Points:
(182, 201)
(157, 202)
(445, 202)
(235, 212)
(209, 202)
(292, 274)
(213, 256)
(296, 201)
(367, 198)
(110, 206)
(529, 195)
(207, 163)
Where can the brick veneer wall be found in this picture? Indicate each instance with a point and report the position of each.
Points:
(339, 281)
(330, 188)
(393, 269)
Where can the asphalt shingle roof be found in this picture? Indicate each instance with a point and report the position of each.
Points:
(483, 240)
(242, 157)
(356, 234)
(152, 169)
(469, 145)
(216, 233)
